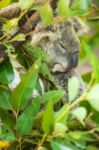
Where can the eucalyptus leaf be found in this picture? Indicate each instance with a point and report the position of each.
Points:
(6, 72)
(19, 37)
(93, 97)
(4, 3)
(82, 4)
(25, 121)
(4, 98)
(24, 4)
(45, 71)
(6, 118)
(76, 135)
(48, 118)
(42, 148)
(46, 13)
(23, 91)
(60, 129)
(7, 133)
(59, 113)
(58, 146)
(80, 113)
(63, 7)
(73, 87)
(53, 96)
(37, 52)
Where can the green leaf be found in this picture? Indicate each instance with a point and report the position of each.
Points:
(93, 97)
(42, 148)
(37, 52)
(25, 121)
(93, 59)
(73, 87)
(19, 37)
(76, 135)
(4, 98)
(6, 118)
(24, 89)
(85, 4)
(45, 71)
(7, 133)
(81, 5)
(46, 13)
(58, 146)
(80, 113)
(90, 147)
(59, 129)
(48, 118)
(53, 96)
(59, 115)
(6, 72)
(63, 7)
(24, 4)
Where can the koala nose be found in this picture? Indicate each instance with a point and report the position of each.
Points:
(73, 60)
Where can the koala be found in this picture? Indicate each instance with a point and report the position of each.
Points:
(61, 43)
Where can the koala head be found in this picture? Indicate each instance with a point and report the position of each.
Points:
(60, 41)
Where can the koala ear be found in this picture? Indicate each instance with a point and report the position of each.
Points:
(80, 26)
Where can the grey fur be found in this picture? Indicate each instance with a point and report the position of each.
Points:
(60, 41)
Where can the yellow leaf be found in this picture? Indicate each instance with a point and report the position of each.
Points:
(4, 3)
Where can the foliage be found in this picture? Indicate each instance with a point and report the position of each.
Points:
(28, 122)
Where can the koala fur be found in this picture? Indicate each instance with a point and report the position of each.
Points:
(61, 42)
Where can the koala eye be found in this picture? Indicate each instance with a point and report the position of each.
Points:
(47, 38)
(62, 48)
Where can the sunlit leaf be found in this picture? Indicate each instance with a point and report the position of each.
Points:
(59, 129)
(24, 89)
(48, 118)
(24, 4)
(63, 7)
(10, 25)
(80, 113)
(93, 97)
(73, 87)
(19, 37)
(4, 3)
(46, 13)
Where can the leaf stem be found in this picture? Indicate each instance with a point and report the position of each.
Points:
(42, 140)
